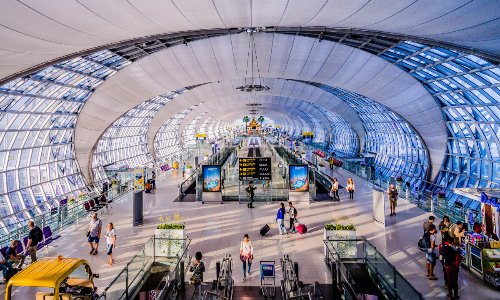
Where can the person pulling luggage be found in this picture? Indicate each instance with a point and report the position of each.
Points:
(280, 218)
(292, 213)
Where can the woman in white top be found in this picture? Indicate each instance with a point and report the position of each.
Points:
(246, 253)
(335, 190)
(111, 241)
(350, 188)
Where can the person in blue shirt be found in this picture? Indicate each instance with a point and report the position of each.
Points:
(280, 218)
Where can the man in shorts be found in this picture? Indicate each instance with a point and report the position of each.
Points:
(430, 255)
(95, 228)
(393, 198)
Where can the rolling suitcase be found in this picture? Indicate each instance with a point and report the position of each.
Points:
(301, 228)
(265, 229)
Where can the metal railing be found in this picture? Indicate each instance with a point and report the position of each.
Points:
(60, 217)
(414, 194)
(361, 252)
(128, 282)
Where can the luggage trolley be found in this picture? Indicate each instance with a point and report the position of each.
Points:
(267, 279)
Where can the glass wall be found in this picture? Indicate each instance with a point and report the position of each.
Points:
(124, 144)
(38, 113)
(399, 149)
(166, 144)
(466, 87)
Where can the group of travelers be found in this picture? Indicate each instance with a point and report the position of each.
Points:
(94, 235)
(280, 218)
(334, 191)
(14, 261)
(449, 251)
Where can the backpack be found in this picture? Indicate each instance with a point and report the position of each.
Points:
(426, 240)
(39, 235)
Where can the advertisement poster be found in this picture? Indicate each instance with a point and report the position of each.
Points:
(138, 179)
(298, 178)
(211, 179)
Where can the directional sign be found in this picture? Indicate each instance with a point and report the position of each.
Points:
(255, 168)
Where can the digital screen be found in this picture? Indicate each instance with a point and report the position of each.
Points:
(211, 179)
(298, 178)
(255, 168)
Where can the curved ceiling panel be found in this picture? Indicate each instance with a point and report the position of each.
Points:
(278, 56)
(34, 32)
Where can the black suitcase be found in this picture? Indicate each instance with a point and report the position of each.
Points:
(265, 230)
(10, 273)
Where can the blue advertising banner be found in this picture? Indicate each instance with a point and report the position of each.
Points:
(298, 178)
(211, 178)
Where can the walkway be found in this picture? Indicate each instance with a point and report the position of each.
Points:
(218, 229)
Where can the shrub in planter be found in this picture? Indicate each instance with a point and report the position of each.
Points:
(321, 165)
(338, 229)
(167, 232)
(399, 179)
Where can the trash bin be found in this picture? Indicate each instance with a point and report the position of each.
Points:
(138, 211)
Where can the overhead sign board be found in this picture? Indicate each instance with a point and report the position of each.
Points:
(255, 168)
(202, 135)
(230, 128)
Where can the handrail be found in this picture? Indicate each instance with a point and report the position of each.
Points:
(186, 249)
(348, 288)
(367, 246)
(300, 296)
(206, 293)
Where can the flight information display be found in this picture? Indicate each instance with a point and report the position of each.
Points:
(255, 168)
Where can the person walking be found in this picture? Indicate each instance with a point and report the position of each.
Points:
(111, 242)
(450, 263)
(429, 240)
(34, 237)
(292, 213)
(183, 169)
(246, 254)
(5, 266)
(250, 190)
(94, 233)
(335, 190)
(393, 198)
(331, 163)
(350, 188)
(13, 257)
(280, 218)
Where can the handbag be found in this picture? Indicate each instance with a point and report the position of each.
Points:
(331, 194)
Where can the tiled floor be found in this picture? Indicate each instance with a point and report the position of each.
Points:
(218, 229)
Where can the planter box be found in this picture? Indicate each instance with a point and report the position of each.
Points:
(346, 249)
(169, 248)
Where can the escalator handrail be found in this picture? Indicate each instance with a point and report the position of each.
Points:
(206, 293)
(347, 287)
(300, 296)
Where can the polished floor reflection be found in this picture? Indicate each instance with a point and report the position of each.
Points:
(218, 229)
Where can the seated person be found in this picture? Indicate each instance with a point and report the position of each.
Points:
(13, 257)
(102, 200)
(148, 187)
(5, 266)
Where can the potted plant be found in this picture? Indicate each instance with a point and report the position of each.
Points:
(81, 197)
(167, 231)
(363, 165)
(71, 199)
(341, 228)
(441, 194)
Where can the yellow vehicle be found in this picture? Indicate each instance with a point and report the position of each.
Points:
(71, 279)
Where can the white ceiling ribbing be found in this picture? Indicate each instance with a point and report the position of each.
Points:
(34, 32)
